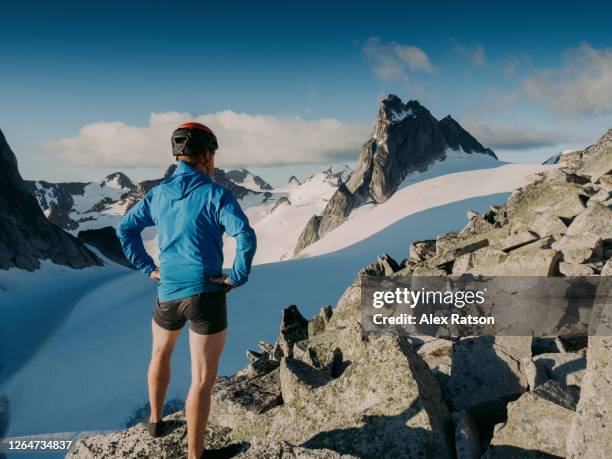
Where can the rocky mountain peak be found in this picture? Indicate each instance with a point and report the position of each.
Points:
(117, 180)
(393, 112)
(406, 138)
(26, 235)
(458, 138)
(247, 179)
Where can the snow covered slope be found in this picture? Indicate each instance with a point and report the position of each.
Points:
(279, 230)
(278, 223)
(415, 197)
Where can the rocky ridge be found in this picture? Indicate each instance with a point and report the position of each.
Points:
(327, 389)
(26, 237)
(246, 179)
(74, 206)
(406, 138)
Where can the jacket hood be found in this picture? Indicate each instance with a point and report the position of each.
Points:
(183, 181)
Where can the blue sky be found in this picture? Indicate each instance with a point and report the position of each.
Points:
(292, 87)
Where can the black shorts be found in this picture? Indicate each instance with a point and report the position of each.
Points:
(206, 313)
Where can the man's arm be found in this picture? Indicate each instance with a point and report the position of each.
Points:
(236, 225)
(128, 232)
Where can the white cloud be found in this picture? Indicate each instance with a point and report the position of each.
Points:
(394, 61)
(244, 140)
(514, 137)
(583, 84)
(475, 54)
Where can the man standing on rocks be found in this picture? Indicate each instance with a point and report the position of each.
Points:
(191, 213)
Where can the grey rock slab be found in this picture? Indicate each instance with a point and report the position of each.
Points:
(298, 378)
(487, 371)
(368, 410)
(575, 270)
(580, 247)
(535, 428)
(533, 262)
(591, 432)
(236, 399)
(595, 220)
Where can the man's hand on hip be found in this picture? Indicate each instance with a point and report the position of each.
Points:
(225, 281)
(155, 275)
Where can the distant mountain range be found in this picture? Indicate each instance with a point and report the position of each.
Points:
(75, 206)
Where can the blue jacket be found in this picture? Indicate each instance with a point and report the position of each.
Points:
(191, 213)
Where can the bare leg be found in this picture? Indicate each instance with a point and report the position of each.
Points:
(159, 368)
(205, 353)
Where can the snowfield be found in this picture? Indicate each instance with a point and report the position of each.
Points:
(459, 176)
(278, 227)
(371, 219)
(77, 343)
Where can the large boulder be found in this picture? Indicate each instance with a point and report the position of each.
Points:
(486, 374)
(595, 221)
(580, 247)
(536, 428)
(532, 262)
(368, 410)
(591, 431)
(297, 379)
(238, 398)
(539, 205)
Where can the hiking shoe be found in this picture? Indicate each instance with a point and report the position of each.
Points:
(155, 429)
